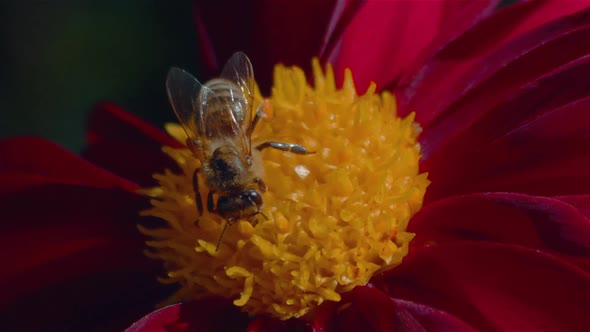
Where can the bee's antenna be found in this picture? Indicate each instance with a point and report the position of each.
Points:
(221, 236)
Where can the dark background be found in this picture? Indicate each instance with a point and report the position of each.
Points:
(59, 58)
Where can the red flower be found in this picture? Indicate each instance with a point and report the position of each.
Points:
(502, 239)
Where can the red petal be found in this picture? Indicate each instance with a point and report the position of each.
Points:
(385, 37)
(132, 161)
(211, 314)
(265, 323)
(535, 222)
(369, 309)
(511, 68)
(269, 32)
(362, 309)
(494, 287)
(109, 122)
(457, 20)
(38, 157)
(546, 11)
(126, 145)
(535, 143)
(72, 250)
(342, 14)
(106, 301)
(457, 67)
(166, 319)
(430, 319)
(69, 232)
(56, 232)
(580, 202)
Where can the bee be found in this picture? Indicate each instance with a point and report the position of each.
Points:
(219, 119)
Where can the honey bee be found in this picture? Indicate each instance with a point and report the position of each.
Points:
(219, 120)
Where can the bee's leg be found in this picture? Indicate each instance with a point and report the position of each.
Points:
(197, 192)
(295, 148)
(260, 184)
(262, 214)
(259, 114)
(254, 220)
(210, 203)
(227, 223)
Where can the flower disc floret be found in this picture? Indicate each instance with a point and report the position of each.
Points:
(335, 217)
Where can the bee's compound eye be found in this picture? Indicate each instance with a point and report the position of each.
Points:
(254, 196)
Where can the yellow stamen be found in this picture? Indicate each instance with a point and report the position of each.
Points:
(335, 218)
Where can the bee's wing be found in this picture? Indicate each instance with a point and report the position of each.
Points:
(219, 119)
(183, 93)
(238, 69)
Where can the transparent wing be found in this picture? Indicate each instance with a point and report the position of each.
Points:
(183, 93)
(218, 113)
(238, 69)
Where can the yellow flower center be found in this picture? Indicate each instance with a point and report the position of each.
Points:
(335, 218)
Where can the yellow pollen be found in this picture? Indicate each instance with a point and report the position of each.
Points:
(335, 218)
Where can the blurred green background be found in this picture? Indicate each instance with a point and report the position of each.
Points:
(61, 57)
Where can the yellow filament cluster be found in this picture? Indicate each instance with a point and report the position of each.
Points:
(335, 218)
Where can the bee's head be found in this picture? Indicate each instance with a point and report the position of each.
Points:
(253, 196)
(242, 205)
